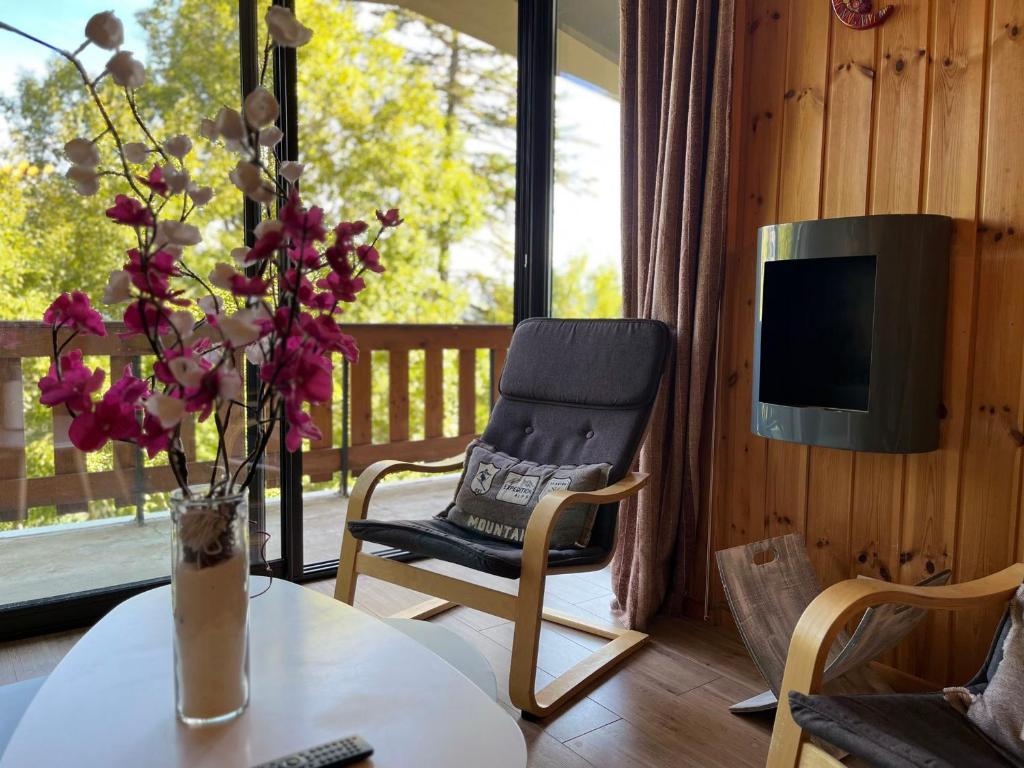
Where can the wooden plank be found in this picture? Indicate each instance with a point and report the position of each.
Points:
(361, 398)
(739, 506)
(990, 485)
(467, 391)
(929, 522)
(67, 460)
(398, 395)
(433, 397)
(12, 439)
(844, 192)
(803, 137)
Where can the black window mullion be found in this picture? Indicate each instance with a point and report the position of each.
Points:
(534, 158)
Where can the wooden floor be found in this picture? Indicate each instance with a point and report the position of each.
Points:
(666, 706)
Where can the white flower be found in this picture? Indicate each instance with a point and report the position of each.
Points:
(186, 370)
(208, 129)
(285, 28)
(221, 274)
(265, 194)
(261, 108)
(239, 329)
(291, 170)
(270, 135)
(176, 180)
(126, 70)
(173, 232)
(259, 352)
(169, 410)
(105, 30)
(229, 124)
(246, 176)
(268, 225)
(82, 152)
(200, 195)
(86, 182)
(135, 152)
(239, 254)
(229, 385)
(178, 146)
(211, 305)
(119, 287)
(182, 322)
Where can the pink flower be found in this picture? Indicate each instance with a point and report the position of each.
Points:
(113, 418)
(309, 258)
(73, 386)
(300, 426)
(155, 181)
(303, 375)
(154, 277)
(143, 317)
(302, 225)
(130, 212)
(389, 219)
(221, 384)
(248, 286)
(265, 246)
(349, 229)
(325, 332)
(153, 437)
(343, 287)
(72, 310)
(370, 258)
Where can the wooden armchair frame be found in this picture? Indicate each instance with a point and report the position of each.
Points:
(525, 609)
(828, 613)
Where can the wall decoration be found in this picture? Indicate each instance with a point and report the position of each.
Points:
(859, 14)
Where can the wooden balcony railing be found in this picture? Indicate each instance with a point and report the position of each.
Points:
(72, 484)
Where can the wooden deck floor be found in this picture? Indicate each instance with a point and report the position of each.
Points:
(665, 706)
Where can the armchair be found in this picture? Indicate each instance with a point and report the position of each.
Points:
(572, 392)
(885, 717)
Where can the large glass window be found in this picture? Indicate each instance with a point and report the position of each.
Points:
(586, 273)
(71, 522)
(411, 104)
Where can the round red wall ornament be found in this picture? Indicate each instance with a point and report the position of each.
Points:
(860, 14)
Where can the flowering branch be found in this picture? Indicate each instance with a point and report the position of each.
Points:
(293, 282)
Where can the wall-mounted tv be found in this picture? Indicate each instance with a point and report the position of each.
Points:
(817, 321)
(849, 332)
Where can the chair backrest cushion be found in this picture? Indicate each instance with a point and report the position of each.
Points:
(579, 392)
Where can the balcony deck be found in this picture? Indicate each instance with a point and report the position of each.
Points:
(83, 556)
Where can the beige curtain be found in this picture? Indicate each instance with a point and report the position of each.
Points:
(676, 82)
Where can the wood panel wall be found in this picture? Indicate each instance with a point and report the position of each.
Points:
(923, 114)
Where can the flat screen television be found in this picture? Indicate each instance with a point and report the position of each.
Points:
(817, 326)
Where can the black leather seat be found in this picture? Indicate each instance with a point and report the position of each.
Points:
(572, 392)
(902, 730)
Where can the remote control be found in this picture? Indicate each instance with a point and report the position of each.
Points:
(333, 754)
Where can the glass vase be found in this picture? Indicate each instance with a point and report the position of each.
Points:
(210, 589)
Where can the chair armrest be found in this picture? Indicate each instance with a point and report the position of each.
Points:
(359, 501)
(542, 520)
(828, 612)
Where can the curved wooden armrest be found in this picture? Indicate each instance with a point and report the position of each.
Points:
(359, 501)
(828, 612)
(544, 515)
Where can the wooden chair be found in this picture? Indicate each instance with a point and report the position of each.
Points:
(572, 392)
(826, 616)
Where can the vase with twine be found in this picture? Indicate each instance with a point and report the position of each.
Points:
(210, 587)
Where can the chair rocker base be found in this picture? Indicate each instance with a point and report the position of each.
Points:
(522, 678)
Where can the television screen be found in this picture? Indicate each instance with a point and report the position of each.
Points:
(817, 320)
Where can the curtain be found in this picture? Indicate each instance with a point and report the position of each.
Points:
(676, 83)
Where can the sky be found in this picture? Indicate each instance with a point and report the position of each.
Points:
(585, 220)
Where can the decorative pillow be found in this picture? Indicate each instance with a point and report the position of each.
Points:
(998, 711)
(497, 493)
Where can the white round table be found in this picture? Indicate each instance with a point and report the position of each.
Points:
(320, 670)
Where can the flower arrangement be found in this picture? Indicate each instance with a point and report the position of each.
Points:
(286, 290)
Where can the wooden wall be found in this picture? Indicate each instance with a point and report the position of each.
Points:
(925, 113)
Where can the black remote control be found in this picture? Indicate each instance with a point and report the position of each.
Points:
(333, 754)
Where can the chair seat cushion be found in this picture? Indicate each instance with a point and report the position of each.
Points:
(439, 538)
(896, 730)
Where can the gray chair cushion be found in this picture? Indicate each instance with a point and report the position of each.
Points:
(439, 538)
(896, 730)
(572, 392)
(14, 700)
